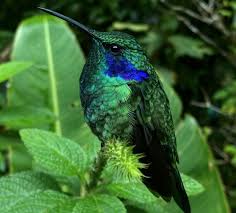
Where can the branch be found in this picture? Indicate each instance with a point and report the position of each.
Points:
(208, 15)
(206, 39)
(188, 12)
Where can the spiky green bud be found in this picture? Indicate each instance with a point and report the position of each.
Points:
(122, 164)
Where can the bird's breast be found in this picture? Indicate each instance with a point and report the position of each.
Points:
(108, 111)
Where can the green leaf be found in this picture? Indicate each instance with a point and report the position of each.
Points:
(227, 92)
(56, 154)
(136, 192)
(24, 182)
(227, 97)
(10, 69)
(191, 186)
(19, 189)
(25, 117)
(230, 149)
(151, 207)
(89, 142)
(135, 27)
(39, 202)
(99, 203)
(54, 80)
(141, 197)
(225, 12)
(65, 207)
(187, 46)
(197, 161)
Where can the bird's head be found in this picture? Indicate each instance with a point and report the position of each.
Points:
(122, 54)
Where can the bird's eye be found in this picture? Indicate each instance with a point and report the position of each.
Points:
(115, 48)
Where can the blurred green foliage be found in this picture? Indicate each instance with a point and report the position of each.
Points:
(228, 98)
(192, 44)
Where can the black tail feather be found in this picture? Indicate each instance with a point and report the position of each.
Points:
(179, 193)
(161, 175)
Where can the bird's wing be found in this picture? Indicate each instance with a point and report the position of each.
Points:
(154, 115)
(154, 136)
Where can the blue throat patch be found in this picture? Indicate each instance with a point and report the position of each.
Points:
(124, 69)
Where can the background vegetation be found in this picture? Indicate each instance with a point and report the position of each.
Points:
(191, 43)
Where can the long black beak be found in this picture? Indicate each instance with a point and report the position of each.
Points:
(71, 21)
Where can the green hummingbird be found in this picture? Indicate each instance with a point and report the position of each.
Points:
(123, 98)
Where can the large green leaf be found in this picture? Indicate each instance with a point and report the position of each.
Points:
(54, 80)
(20, 188)
(191, 186)
(136, 192)
(54, 153)
(25, 116)
(32, 192)
(38, 202)
(10, 69)
(99, 203)
(196, 160)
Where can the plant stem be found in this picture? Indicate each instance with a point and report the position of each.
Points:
(96, 175)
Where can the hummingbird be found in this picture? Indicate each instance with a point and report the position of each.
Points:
(123, 98)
